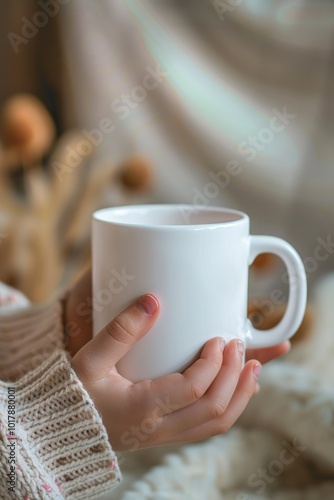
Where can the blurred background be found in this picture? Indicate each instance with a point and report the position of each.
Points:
(203, 102)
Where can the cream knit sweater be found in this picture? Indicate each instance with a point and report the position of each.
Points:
(52, 440)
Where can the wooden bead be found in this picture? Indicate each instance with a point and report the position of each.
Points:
(135, 173)
(27, 128)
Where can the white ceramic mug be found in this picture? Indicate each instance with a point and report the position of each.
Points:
(196, 262)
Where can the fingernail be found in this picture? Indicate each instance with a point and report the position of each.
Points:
(148, 304)
(257, 370)
(222, 344)
(241, 347)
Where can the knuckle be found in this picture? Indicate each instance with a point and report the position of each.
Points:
(121, 329)
(196, 391)
(217, 409)
(222, 427)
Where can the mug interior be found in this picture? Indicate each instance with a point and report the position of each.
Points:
(168, 215)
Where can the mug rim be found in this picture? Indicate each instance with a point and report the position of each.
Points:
(242, 217)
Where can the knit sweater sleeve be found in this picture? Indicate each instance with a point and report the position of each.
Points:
(52, 440)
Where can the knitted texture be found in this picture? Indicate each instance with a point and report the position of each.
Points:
(61, 446)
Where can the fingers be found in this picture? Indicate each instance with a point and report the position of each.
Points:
(102, 353)
(245, 390)
(183, 389)
(269, 353)
(216, 400)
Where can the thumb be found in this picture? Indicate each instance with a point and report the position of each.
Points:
(102, 353)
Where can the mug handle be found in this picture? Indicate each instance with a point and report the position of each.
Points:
(297, 294)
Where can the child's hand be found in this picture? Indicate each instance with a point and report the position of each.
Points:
(78, 322)
(204, 401)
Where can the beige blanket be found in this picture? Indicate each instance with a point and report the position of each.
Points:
(282, 448)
